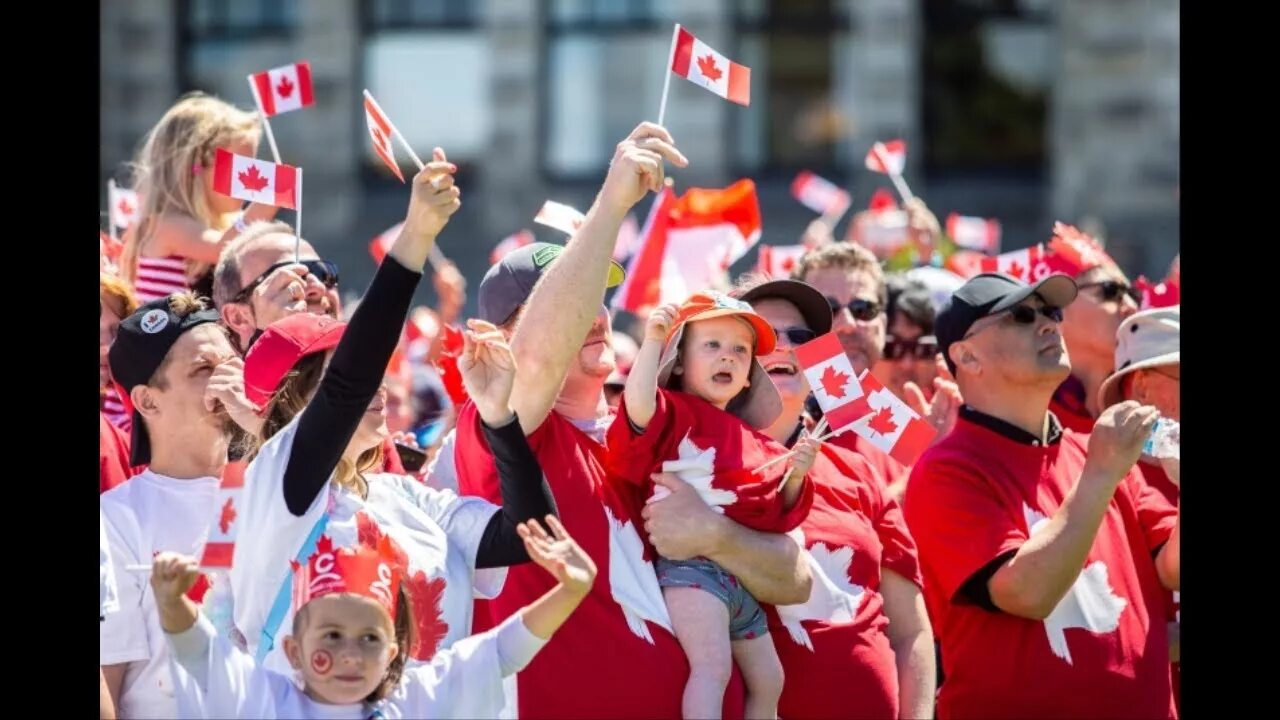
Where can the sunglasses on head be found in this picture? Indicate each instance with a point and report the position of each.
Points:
(1112, 290)
(863, 310)
(796, 335)
(922, 348)
(325, 271)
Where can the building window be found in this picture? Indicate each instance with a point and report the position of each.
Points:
(391, 15)
(222, 41)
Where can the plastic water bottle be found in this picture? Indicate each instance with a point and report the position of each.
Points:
(1164, 441)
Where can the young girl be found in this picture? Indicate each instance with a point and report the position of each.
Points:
(318, 382)
(184, 223)
(350, 635)
(704, 426)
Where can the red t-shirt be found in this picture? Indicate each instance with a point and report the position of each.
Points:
(686, 427)
(976, 495)
(834, 648)
(1070, 405)
(113, 455)
(887, 469)
(595, 665)
(1157, 478)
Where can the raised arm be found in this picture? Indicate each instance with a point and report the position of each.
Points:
(641, 388)
(565, 301)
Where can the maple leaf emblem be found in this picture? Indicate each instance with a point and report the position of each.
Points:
(285, 88)
(227, 516)
(252, 179)
(788, 265)
(1017, 270)
(425, 596)
(707, 66)
(883, 423)
(125, 207)
(833, 382)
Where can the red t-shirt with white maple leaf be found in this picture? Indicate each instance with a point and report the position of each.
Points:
(603, 662)
(834, 648)
(977, 495)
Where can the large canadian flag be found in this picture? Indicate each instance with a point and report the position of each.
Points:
(890, 424)
(688, 244)
(283, 89)
(698, 63)
(831, 378)
(260, 181)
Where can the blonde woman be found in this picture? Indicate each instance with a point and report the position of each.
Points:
(184, 223)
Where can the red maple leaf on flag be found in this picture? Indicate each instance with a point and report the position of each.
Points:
(1015, 269)
(285, 88)
(227, 516)
(833, 382)
(125, 207)
(252, 179)
(707, 66)
(883, 422)
(425, 596)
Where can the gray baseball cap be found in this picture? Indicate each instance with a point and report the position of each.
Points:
(508, 283)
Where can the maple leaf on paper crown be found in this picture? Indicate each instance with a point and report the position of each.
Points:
(707, 66)
(227, 516)
(252, 179)
(285, 88)
(883, 422)
(833, 382)
(426, 596)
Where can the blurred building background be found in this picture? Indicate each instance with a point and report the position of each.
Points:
(1023, 110)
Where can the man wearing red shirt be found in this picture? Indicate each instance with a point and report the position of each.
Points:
(614, 657)
(1045, 554)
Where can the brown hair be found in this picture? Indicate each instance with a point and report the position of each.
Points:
(226, 275)
(844, 256)
(405, 634)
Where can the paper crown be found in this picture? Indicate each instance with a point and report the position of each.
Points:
(1075, 251)
(371, 570)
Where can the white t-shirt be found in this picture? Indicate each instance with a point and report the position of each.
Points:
(151, 513)
(216, 680)
(439, 532)
(108, 602)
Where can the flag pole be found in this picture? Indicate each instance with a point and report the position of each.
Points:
(266, 124)
(111, 223)
(883, 153)
(297, 230)
(666, 84)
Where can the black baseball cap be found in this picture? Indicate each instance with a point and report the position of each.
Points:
(989, 294)
(142, 342)
(813, 306)
(508, 283)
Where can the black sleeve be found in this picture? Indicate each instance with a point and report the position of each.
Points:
(976, 590)
(349, 384)
(525, 495)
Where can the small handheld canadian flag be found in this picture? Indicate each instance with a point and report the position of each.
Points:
(380, 131)
(834, 383)
(123, 203)
(777, 261)
(891, 425)
(698, 63)
(221, 543)
(562, 217)
(890, 158)
(283, 89)
(381, 245)
(974, 233)
(1027, 265)
(819, 194)
(255, 180)
(512, 242)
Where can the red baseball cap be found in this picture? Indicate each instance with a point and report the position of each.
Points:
(281, 346)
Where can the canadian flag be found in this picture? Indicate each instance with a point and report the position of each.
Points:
(260, 181)
(891, 425)
(974, 233)
(1074, 251)
(893, 152)
(696, 62)
(562, 217)
(108, 247)
(124, 205)
(831, 377)
(514, 241)
(777, 261)
(819, 194)
(380, 132)
(688, 244)
(1028, 265)
(283, 89)
(221, 542)
(381, 245)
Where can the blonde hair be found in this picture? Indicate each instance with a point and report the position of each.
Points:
(849, 257)
(166, 175)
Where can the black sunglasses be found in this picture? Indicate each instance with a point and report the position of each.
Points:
(326, 271)
(796, 335)
(1112, 290)
(1026, 315)
(863, 310)
(922, 348)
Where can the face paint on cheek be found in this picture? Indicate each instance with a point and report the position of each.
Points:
(321, 662)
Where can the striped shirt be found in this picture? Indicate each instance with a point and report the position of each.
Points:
(114, 409)
(158, 277)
